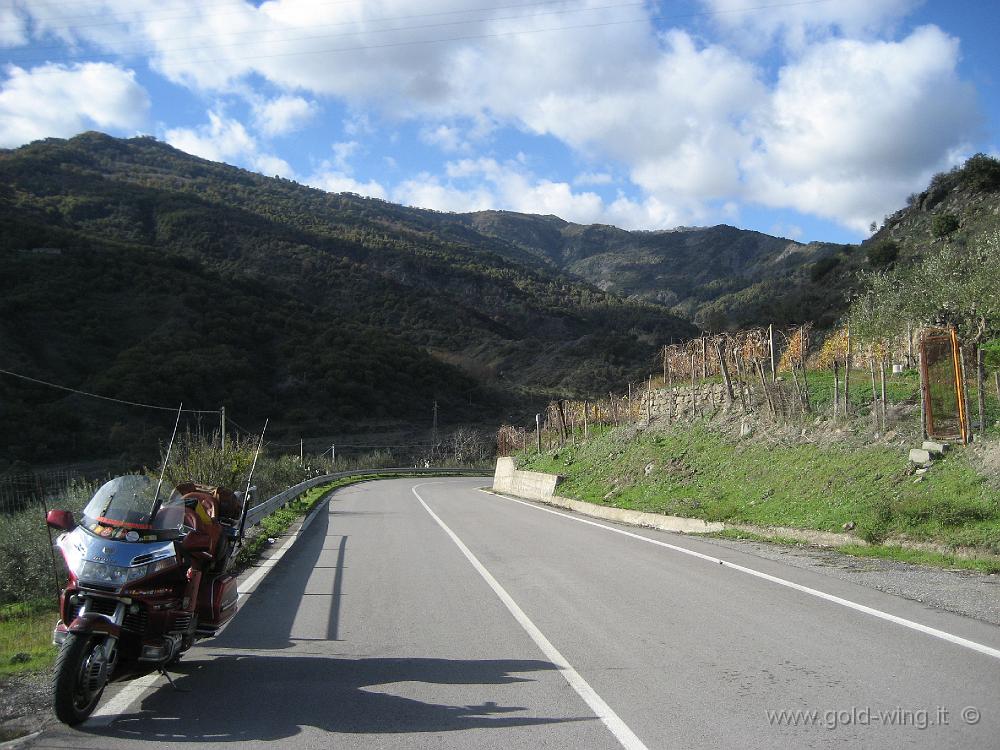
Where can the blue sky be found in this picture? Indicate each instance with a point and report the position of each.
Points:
(807, 119)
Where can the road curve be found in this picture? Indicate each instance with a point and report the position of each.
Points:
(426, 613)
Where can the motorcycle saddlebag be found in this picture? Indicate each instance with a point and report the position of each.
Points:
(217, 602)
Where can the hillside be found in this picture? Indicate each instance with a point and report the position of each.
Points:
(142, 273)
(962, 205)
(719, 277)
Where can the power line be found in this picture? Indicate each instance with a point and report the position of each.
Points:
(386, 19)
(238, 426)
(106, 398)
(102, 8)
(150, 50)
(469, 37)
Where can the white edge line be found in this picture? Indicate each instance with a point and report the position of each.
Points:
(604, 712)
(125, 697)
(926, 629)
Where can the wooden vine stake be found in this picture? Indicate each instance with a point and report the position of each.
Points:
(720, 352)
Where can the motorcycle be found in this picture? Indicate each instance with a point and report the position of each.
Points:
(147, 578)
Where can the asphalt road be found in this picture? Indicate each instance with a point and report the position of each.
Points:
(425, 613)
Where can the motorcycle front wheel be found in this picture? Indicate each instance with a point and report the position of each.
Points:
(80, 677)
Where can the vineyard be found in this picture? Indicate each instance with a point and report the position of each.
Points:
(776, 377)
(859, 370)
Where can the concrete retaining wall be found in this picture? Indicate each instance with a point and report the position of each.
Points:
(532, 485)
(638, 517)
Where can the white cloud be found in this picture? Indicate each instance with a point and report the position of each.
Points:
(283, 114)
(479, 184)
(854, 127)
(447, 138)
(755, 26)
(342, 153)
(337, 182)
(593, 178)
(336, 175)
(853, 123)
(679, 126)
(226, 139)
(219, 140)
(427, 191)
(61, 101)
(271, 165)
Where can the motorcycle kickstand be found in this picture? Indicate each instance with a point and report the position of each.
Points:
(170, 679)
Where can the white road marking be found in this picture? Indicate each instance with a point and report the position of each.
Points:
(958, 640)
(604, 712)
(108, 712)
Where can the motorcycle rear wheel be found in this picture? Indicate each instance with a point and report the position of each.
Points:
(75, 694)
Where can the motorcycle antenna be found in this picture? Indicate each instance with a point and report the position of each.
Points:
(246, 495)
(166, 460)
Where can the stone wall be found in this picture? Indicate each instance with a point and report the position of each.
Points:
(683, 401)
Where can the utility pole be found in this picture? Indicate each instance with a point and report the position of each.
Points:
(333, 456)
(434, 427)
(222, 413)
(302, 455)
(538, 431)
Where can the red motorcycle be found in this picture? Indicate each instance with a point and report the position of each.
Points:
(147, 578)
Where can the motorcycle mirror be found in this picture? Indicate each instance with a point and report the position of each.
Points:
(60, 519)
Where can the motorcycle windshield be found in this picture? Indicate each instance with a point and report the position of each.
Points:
(127, 504)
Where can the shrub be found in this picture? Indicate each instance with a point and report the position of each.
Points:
(823, 266)
(26, 559)
(981, 172)
(883, 253)
(944, 224)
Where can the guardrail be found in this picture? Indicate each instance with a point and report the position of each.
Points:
(257, 513)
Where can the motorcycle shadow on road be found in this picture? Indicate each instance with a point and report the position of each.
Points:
(273, 697)
(281, 593)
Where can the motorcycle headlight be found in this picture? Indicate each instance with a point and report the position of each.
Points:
(141, 571)
(98, 572)
(117, 575)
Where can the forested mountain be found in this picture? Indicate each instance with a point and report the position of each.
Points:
(134, 270)
(720, 277)
(139, 272)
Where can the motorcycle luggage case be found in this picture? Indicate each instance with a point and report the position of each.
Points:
(217, 601)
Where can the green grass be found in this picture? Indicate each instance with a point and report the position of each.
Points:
(26, 637)
(699, 472)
